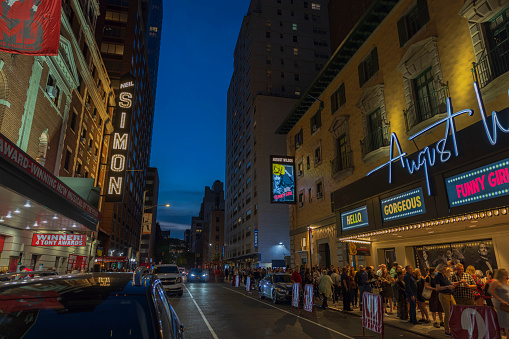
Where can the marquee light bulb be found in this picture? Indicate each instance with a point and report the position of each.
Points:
(8, 216)
(55, 217)
(17, 211)
(27, 205)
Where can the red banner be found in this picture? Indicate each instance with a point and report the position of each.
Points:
(30, 27)
(59, 240)
(474, 322)
(248, 284)
(295, 294)
(372, 312)
(308, 298)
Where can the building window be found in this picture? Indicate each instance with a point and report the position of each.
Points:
(217, 238)
(67, 160)
(248, 214)
(298, 139)
(305, 5)
(427, 103)
(83, 135)
(116, 16)
(300, 168)
(316, 121)
(295, 51)
(297, 78)
(112, 49)
(301, 198)
(282, 73)
(342, 159)
(411, 23)
(268, 61)
(314, 6)
(295, 38)
(278, 12)
(310, 198)
(319, 190)
(338, 99)
(378, 133)
(318, 155)
(267, 23)
(217, 247)
(268, 48)
(74, 118)
(368, 67)
(308, 163)
(267, 34)
(294, 27)
(52, 90)
(281, 48)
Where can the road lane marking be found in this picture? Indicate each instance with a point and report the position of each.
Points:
(297, 316)
(202, 315)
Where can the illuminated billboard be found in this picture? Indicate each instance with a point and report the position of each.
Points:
(120, 143)
(283, 180)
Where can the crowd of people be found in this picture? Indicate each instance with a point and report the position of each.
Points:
(404, 290)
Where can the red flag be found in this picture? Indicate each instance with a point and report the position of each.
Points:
(30, 27)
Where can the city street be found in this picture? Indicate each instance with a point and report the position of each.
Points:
(210, 310)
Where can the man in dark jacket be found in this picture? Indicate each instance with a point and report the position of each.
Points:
(358, 281)
(411, 293)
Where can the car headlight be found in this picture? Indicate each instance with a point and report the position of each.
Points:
(192, 275)
(179, 279)
(204, 275)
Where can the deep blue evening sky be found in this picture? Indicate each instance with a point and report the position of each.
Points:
(195, 67)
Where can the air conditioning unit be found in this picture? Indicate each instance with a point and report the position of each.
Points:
(315, 128)
(319, 195)
(52, 92)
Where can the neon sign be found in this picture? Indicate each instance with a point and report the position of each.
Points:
(354, 218)
(120, 144)
(428, 156)
(482, 183)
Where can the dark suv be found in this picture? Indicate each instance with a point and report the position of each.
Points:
(94, 305)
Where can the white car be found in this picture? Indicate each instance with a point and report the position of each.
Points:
(170, 277)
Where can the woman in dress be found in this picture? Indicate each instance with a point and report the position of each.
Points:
(434, 304)
(421, 302)
(386, 290)
(499, 289)
(487, 282)
(479, 291)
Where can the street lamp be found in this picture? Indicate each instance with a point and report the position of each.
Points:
(150, 207)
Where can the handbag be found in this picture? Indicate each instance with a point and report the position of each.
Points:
(426, 293)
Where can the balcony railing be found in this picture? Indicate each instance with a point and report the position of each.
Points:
(492, 65)
(426, 107)
(341, 162)
(376, 139)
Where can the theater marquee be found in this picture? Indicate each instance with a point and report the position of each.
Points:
(120, 144)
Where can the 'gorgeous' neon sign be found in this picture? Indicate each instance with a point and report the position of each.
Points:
(428, 156)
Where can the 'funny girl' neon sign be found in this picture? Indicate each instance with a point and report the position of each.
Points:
(428, 156)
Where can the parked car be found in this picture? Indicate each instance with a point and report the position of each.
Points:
(197, 274)
(91, 305)
(277, 286)
(170, 277)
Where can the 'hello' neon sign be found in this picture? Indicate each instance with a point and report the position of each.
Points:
(428, 156)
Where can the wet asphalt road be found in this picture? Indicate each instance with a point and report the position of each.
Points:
(217, 310)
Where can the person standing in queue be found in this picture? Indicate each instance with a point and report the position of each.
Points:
(345, 290)
(411, 293)
(325, 287)
(444, 288)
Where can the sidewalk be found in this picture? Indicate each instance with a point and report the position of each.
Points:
(426, 330)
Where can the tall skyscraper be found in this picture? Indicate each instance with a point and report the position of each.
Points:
(282, 45)
(153, 37)
(121, 35)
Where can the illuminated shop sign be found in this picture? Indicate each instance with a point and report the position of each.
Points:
(354, 218)
(120, 142)
(483, 183)
(429, 156)
(283, 179)
(256, 238)
(403, 205)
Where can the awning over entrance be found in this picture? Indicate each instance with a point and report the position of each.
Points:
(29, 193)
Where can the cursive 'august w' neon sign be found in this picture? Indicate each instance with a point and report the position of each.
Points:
(428, 156)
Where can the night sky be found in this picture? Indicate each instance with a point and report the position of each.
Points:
(195, 68)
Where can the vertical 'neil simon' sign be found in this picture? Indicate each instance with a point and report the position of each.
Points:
(120, 145)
